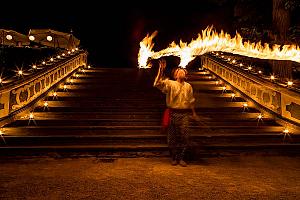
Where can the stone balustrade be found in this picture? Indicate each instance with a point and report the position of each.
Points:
(18, 94)
(278, 100)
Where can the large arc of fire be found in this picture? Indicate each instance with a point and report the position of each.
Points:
(209, 40)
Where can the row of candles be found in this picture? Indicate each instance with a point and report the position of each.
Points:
(245, 105)
(34, 67)
(249, 68)
(45, 104)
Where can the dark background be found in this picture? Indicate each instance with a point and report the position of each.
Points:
(111, 31)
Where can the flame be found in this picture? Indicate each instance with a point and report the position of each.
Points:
(145, 51)
(209, 40)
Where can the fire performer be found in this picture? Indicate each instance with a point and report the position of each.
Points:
(180, 104)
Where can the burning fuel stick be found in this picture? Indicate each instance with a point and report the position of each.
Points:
(210, 40)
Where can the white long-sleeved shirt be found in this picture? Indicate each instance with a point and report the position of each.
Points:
(178, 95)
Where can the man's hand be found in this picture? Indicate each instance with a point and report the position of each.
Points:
(162, 64)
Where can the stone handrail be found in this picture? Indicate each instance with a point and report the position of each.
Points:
(19, 94)
(278, 100)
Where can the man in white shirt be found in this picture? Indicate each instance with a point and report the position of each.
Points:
(180, 100)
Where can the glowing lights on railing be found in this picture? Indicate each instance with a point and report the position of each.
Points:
(69, 52)
(250, 68)
(65, 87)
(272, 77)
(224, 88)
(54, 95)
(286, 132)
(49, 38)
(245, 106)
(31, 38)
(46, 106)
(9, 37)
(289, 83)
(76, 49)
(73, 50)
(89, 66)
(205, 72)
(209, 77)
(232, 96)
(1, 135)
(20, 72)
(31, 118)
(260, 116)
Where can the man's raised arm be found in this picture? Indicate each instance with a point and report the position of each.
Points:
(158, 79)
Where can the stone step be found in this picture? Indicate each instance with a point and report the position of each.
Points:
(107, 102)
(65, 96)
(88, 81)
(157, 122)
(145, 139)
(203, 139)
(236, 117)
(123, 88)
(122, 110)
(107, 94)
(208, 103)
(112, 87)
(86, 130)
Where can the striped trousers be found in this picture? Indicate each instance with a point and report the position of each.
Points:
(178, 133)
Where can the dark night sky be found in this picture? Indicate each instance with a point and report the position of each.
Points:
(111, 31)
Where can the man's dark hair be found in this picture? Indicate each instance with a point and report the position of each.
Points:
(175, 70)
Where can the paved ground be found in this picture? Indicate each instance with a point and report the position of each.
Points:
(244, 177)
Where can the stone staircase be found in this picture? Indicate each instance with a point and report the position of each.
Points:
(118, 112)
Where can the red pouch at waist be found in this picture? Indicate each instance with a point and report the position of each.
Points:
(166, 118)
